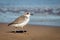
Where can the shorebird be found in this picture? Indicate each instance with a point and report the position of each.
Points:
(21, 21)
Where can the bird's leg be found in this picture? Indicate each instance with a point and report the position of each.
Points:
(15, 29)
(23, 29)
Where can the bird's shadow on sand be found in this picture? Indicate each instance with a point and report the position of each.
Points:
(18, 31)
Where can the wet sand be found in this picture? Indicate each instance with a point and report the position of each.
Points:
(33, 32)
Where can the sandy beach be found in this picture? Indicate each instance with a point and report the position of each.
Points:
(34, 32)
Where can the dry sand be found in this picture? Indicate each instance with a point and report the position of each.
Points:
(34, 32)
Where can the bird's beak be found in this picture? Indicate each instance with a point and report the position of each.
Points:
(31, 14)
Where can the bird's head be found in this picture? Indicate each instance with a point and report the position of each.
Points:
(27, 14)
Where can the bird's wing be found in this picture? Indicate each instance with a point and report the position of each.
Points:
(18, 20)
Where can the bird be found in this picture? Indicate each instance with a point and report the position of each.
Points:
(21, 21)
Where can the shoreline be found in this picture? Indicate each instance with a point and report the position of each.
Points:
(35, 25)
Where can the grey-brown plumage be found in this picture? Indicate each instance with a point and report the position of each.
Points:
(18, 20)
(21, 21)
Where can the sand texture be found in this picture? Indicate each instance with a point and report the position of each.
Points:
(33, 32)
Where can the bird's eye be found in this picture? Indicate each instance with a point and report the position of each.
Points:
(27, 13)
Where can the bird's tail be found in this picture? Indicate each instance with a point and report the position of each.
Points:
(12, 23)
(9, 24)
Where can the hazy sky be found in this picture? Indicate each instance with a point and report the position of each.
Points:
(29, 3)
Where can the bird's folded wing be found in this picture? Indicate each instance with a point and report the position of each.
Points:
(19, 19)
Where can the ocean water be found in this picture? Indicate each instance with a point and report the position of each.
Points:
(39, 19)
(50, 20)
